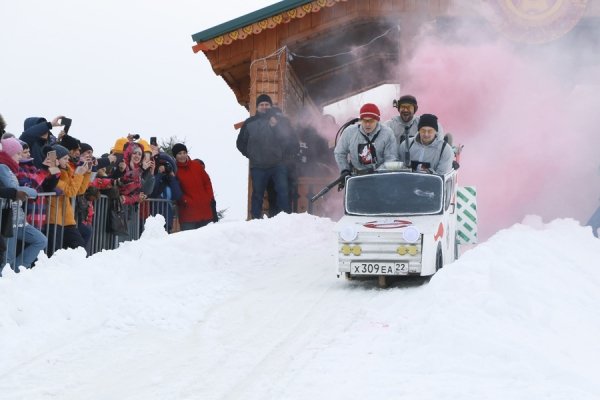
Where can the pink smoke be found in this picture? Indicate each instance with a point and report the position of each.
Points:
(531, 142)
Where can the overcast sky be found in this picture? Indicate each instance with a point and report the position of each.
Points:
(116, 67)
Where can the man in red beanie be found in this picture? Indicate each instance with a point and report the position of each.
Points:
(366, 145)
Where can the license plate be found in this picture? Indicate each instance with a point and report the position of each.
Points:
(379, 268)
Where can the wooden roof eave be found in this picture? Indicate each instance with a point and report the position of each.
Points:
(221, 36)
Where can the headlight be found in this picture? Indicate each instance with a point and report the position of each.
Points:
(411, 234)
(412, 250)
(348, 233)
(346, 250)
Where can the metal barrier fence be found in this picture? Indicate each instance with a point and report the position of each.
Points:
(37, 214)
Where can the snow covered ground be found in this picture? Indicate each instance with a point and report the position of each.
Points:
(253, 310)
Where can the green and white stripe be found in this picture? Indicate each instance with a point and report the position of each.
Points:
(467, 215)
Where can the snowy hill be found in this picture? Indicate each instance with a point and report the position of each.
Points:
(253, 310)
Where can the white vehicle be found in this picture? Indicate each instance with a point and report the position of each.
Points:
(400, 223)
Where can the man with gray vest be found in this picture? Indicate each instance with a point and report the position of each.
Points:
(367, 145)
(429, 152)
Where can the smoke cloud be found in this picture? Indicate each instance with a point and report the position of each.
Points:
(527, 115)
(529, 127)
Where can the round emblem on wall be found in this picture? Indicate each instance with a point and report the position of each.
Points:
(536, 21)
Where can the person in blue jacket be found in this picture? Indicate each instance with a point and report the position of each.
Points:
(37, 133)
(166, 186)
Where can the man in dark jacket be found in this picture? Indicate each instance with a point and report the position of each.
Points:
(37, 134)
(266, 140)
(263, 104)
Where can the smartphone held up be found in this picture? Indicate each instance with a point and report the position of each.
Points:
(66, 123)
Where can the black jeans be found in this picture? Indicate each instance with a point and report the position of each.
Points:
(71, 238)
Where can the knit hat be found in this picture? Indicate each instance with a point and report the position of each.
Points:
(369, 111)
(407, 99)
(145, 146)
(69, 142)
(83, 147)
(178, 147)
(61, 151)
(429, 120)
(262, 98)
(119, 146)
(11, 146)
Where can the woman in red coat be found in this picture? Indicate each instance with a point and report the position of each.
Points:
(194, 207)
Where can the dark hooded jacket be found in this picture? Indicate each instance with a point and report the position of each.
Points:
(166, 186)
(35, 127)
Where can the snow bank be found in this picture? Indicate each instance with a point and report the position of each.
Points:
(253, 310)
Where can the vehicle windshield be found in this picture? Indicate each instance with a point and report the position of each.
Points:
(397, 193)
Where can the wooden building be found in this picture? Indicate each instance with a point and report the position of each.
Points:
(307, 54)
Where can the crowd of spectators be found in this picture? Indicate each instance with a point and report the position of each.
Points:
(49, 185)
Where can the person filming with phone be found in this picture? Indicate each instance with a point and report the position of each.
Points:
(72, 182)
(37, 134)
(43, 180)
(166, 185)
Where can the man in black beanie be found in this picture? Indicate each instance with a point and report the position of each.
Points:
(178, 147)
(272, 146)
(37, 133)
(263, 98)
(428, 120)
(429, 152)
(263, 104)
